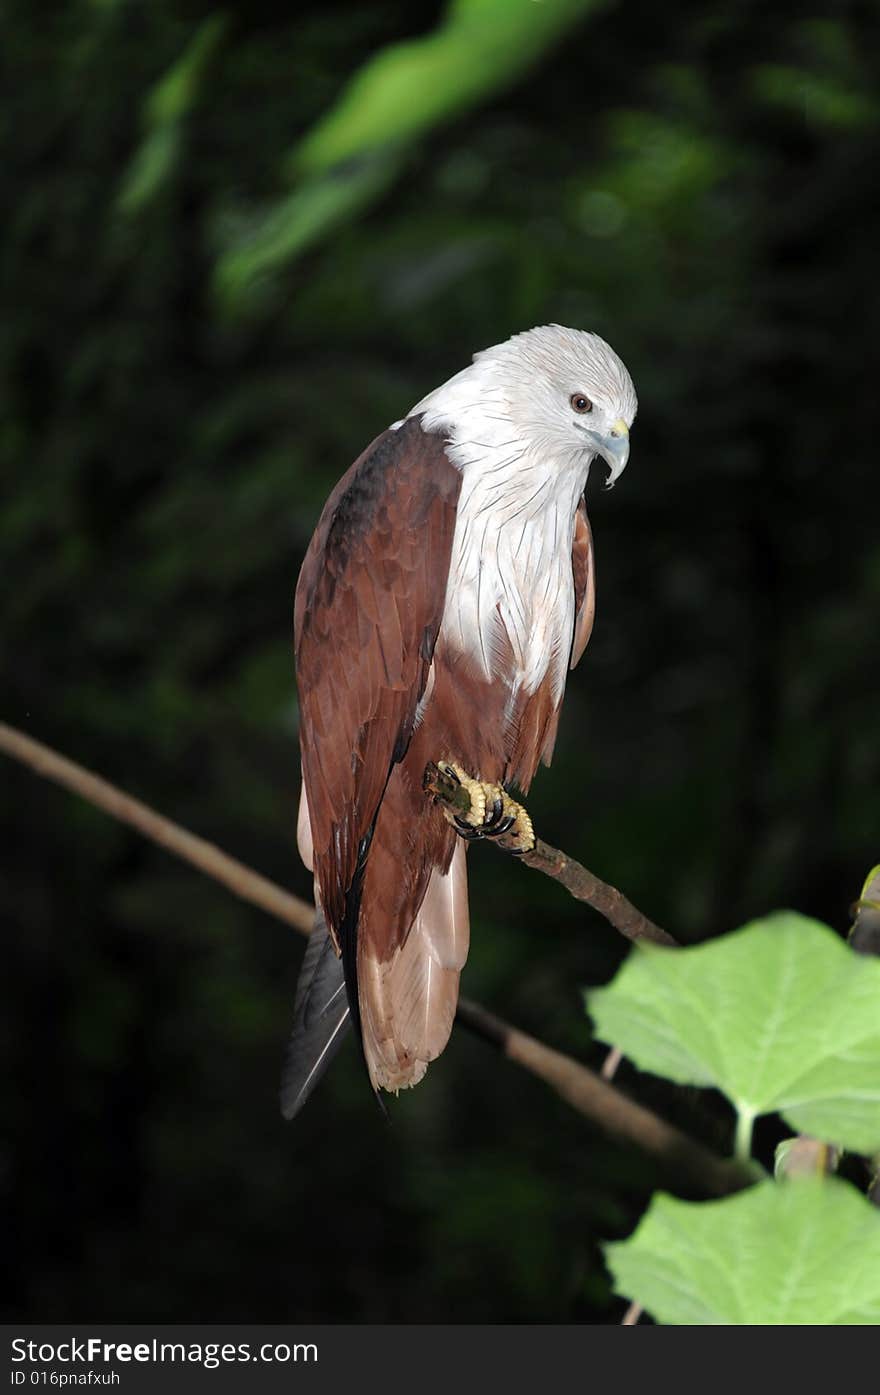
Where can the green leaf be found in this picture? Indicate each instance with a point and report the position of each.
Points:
(780, 1015)
(168, 104)
(298, 221)
(357, 149)
(798, 1252)
(407, 88)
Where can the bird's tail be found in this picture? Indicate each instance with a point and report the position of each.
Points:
(408, 1000)
(321, 1019)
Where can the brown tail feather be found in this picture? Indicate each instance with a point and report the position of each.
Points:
(408, 1002)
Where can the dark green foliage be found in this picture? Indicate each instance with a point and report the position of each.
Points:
(695, 181)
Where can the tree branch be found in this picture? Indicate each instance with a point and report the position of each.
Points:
(677, 1154)
(580, 883)
(242, 881)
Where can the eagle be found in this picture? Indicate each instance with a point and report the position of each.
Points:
(444, 596)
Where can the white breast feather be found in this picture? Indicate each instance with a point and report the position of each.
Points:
(510, 576)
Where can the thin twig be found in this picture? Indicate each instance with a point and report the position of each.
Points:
(632, 1315)
(580, 883)
(611, 1062)
(678, 1155)
(805, 1156)
(607, 900)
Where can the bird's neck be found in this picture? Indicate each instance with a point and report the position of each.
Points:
(511, 588)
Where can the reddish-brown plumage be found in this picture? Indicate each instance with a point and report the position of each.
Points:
(369, 605)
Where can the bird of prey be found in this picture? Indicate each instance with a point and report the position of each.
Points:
(447, 590)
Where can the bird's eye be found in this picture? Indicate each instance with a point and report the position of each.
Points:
(581, 404)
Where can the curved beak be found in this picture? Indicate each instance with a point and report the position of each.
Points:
(614, 450)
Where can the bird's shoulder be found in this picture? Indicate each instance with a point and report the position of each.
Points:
(379, 510)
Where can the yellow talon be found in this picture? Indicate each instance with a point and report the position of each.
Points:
(492, 813)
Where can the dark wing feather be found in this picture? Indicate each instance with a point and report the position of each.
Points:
(321, 1020)
(368, 608)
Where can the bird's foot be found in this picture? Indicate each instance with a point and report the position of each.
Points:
(491, 813)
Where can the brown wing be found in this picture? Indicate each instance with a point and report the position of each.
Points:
(368, 607)
(584, 582)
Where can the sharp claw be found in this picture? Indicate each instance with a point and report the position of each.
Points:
(505, 826)
(466, 830)
(448, 770)
(497, 811)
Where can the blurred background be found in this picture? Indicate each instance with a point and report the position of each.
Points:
(236, 244)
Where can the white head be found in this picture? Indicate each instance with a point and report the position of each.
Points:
(568, 389)
(565, 392)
